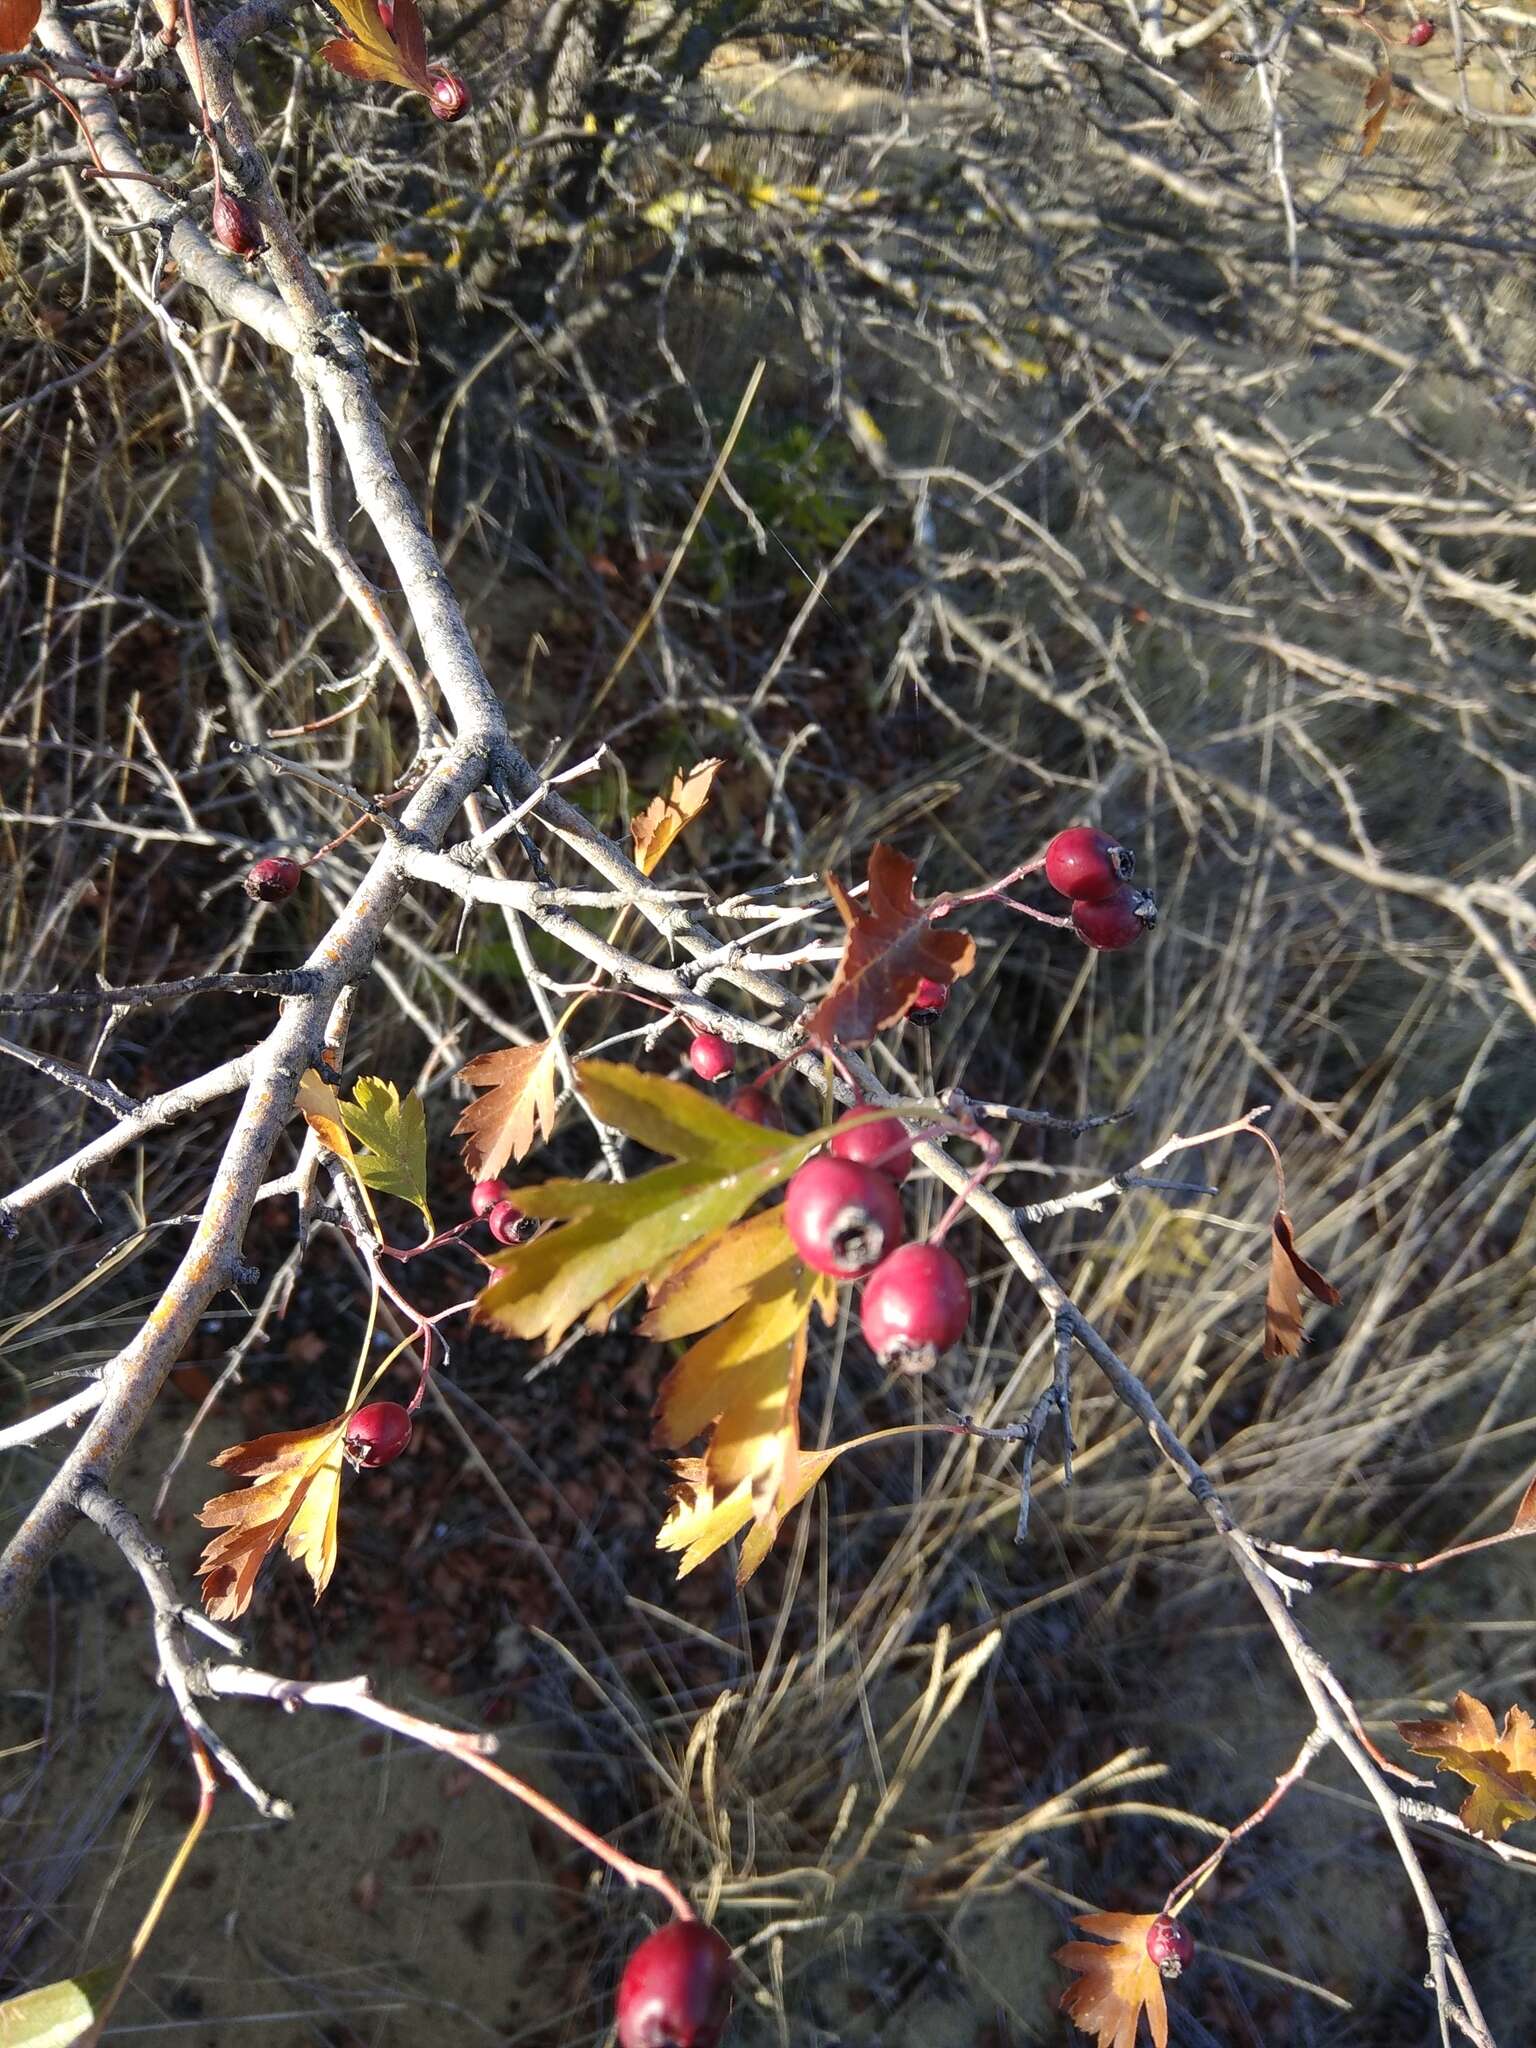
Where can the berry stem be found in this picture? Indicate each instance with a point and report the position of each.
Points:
(1181, 1894)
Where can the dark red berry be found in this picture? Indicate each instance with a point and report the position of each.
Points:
(485, 1195)
(756, 1107)
(387, 15)
(842, 1218)
(882, 1142)
(916, 1304)
(710, 1057)
(272, 879)
(1170, 1946)
(449, 97)
(676, 1989)
(1117, 922)
(1086, 864)
(236, 226)
(1422, 32)
(377, 1434)
(931, 1000)
(508, 1224)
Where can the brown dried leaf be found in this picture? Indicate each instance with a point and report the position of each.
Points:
(1378, 103)
(1499, 1766)
(1114, 1983)
(294, 1503)
(18, 18)
(1289, 1272)
(1525, 1514)
(664, 817)
(891, 947)
(505, 1124)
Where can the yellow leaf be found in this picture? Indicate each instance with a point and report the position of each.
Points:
(742, 1264)
(654, 829)
(1499, 1766)
(395, 1134)
(294, 1503)
(672, 1118)
(1115, 1982)
(321, 1107)
(505, 1124)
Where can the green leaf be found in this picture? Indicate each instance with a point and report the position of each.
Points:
(395, 1134)
(673, 1118)
(56, 2014)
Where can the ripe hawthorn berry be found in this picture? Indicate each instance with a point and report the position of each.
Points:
(931, 1000)
(1087, 864)
(842, 1218)
(377, 1434)
(508, 1225)
(882, 1142)
(676, 1989)
(484, 1196)
(916, 1304)
(449, 96)
(235, 226)
(756, 1107)
(1422, 32)
(710, 1056)
(1170, 1946)
(272, 879)
(1117, 922)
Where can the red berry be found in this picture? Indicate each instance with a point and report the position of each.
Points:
(272, 879)
(1170, 1946)
(1086, 864)
(881, 1142)
(508, 1224)
(236, 226)
(676, 1989)
(485, 1195)
(931, 999)
(916, 1305)
(377, 1434)
(710, 1057)
(1422, 32)
(1117, 922)
(449, 97)
(756, 1107)
(842, 1218)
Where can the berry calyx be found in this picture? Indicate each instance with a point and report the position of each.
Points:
(710, 1056)
(842, 1218)
(1087, 864)
(449, 96)
(756, 1107)
(931, 1000)
(915, 1306)
(1422, 32)
(235, 225)
(1170, 1946)
(1117, 922)
(676, 1989)
(485, 1195)
(881, 1142)
(508, 1225)
(272, 879)
(377, 1434)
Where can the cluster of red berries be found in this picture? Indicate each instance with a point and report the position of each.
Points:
(842, 1210)
(676, 1989)
(491, 1201)
(1095, 872)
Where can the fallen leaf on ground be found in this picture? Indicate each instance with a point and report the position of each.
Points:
(1289, 1272)
(1499, 1766)
(891, 946)
(294, 1503)
(1114, 1982)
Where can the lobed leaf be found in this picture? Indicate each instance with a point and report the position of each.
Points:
(655, 828)
(675, 1119)
(294, 1504)
(1499, 1765)
(891, 946)
(395, 1135)
(506, 1123)
(749, 1261)
(1115, 1981)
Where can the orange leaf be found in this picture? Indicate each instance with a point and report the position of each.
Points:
(654, 829)
(294, 1503)
(1288, 1274)
(369, 52)
(891, 947)
(744, 1263)
(1114, 1983)
(1525, 1514)
(505, 1124)
(18, 18)
(1378, 102)
(1500, 1767)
